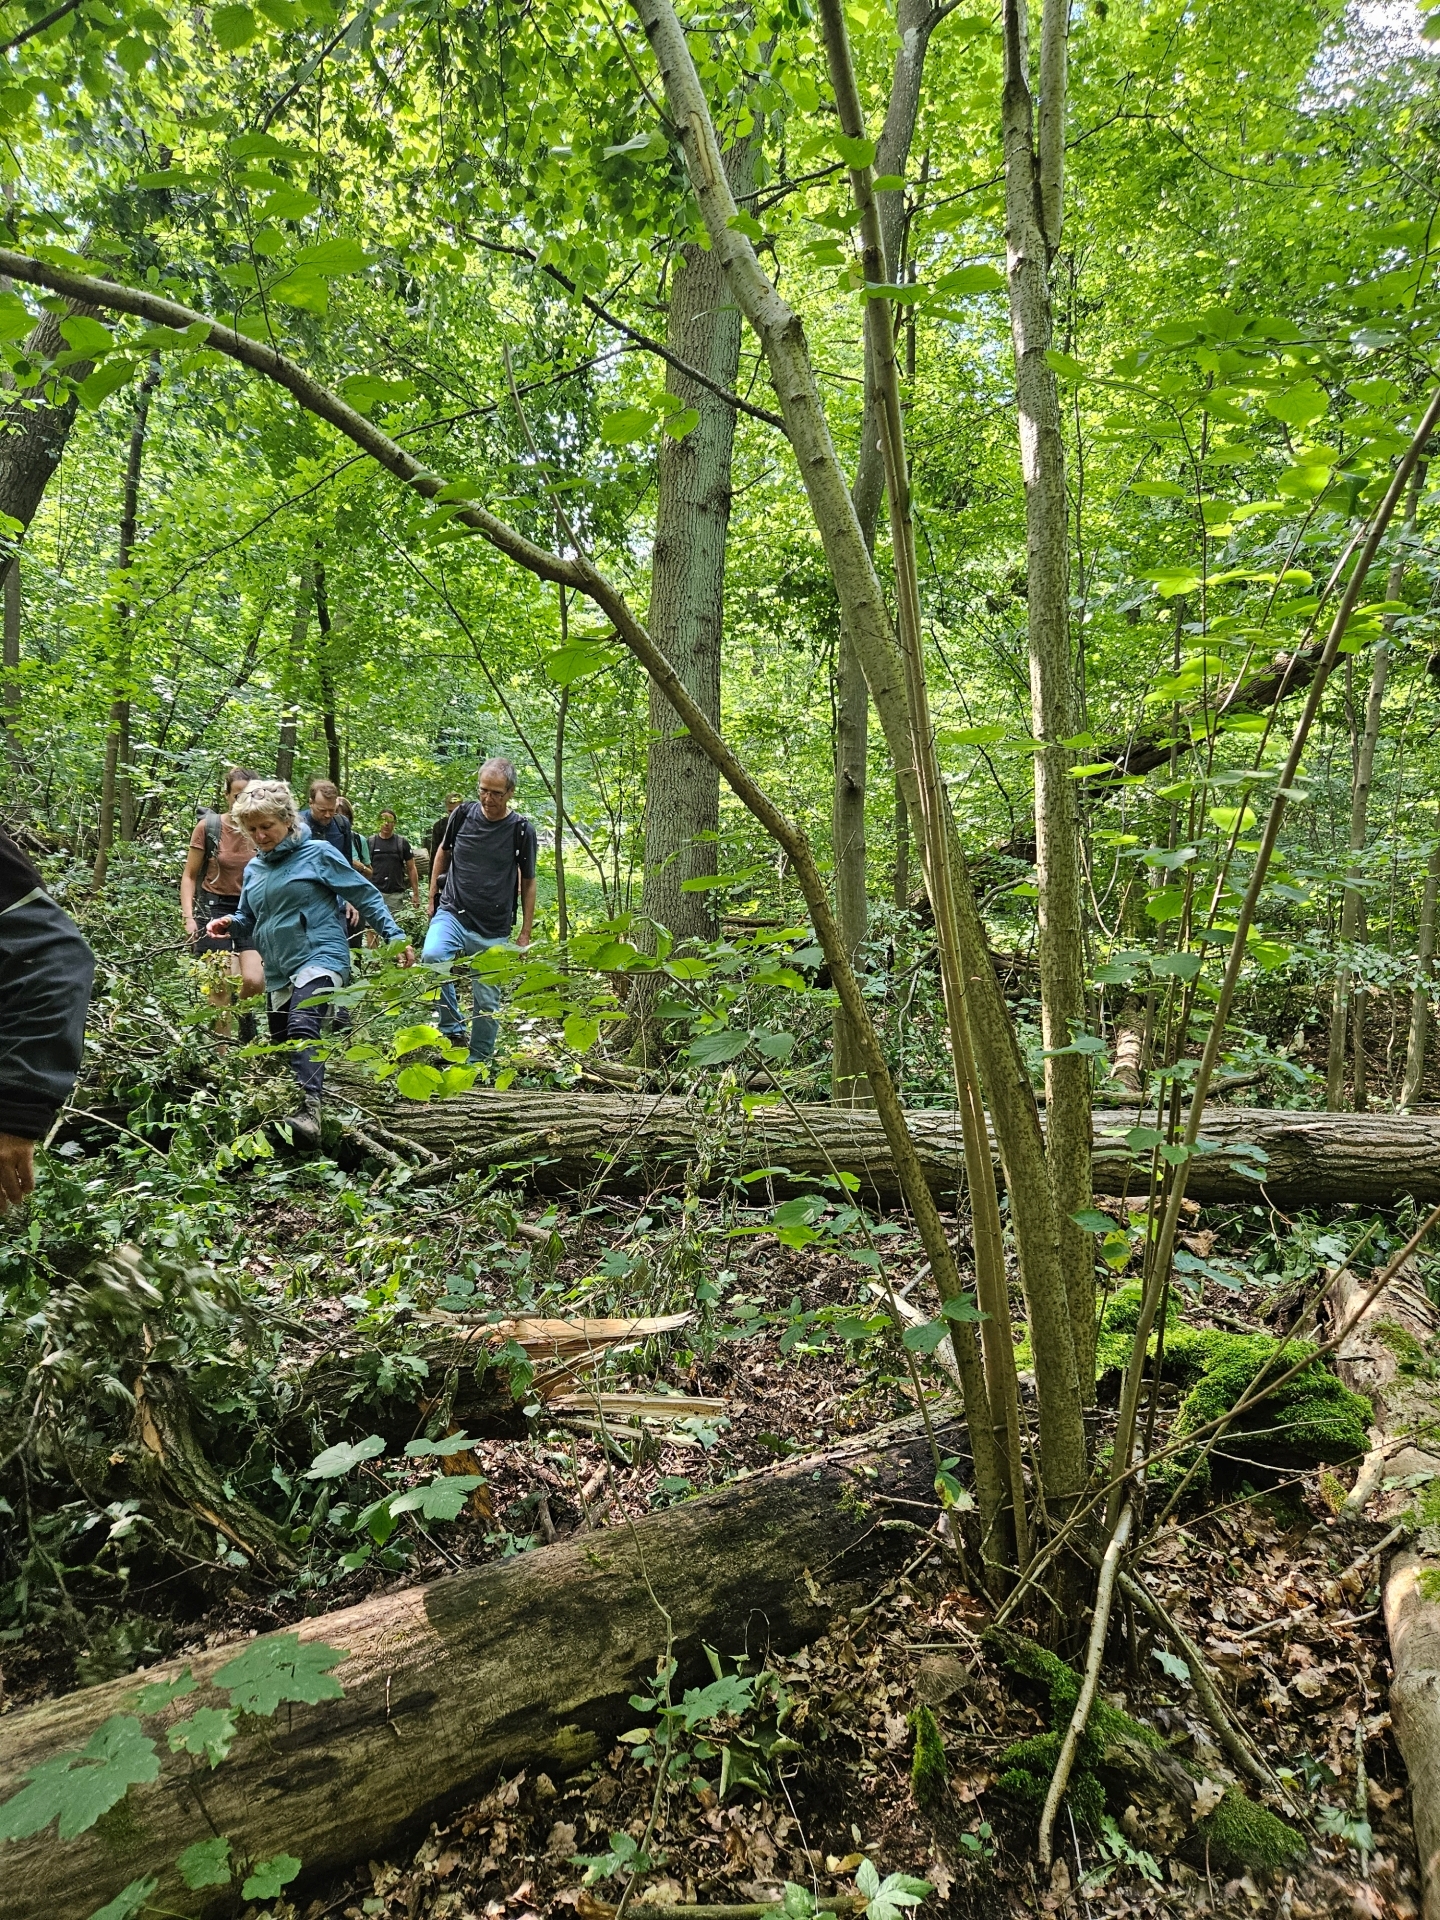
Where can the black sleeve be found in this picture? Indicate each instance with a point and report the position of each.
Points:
(46, 971)
(527, 850)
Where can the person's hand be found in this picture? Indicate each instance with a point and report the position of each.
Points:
(352, 917)
(523, 939)
(219, 929)
(17, 1170)
(191, 927)
(407, 958)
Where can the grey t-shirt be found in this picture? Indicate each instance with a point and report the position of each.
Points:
(488, 860)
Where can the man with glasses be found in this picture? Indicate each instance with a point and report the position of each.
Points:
(482, 874)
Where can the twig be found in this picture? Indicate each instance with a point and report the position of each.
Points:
(1099, 1626)
(1371, 1553)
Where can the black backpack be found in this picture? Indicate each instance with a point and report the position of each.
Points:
(214, 825)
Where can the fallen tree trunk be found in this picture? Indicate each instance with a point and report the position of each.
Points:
(630, 1142)
(1378, 1358)
(526, 1664)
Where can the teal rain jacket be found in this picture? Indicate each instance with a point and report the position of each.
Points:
(290, 907)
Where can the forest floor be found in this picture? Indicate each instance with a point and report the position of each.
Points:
(1259, 1578)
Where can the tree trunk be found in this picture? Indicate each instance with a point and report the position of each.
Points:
(1034, 202)
(10, 691)
(562, 907)
(294, 658)
(687, 588)
(1352, 910)
(116, 777)
(619, 1142)
(33, 433)
(1420, 997)
(902, 847)
(526, 1664)
(916, 20)
(327, 679)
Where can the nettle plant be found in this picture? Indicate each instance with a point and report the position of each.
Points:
(76, 1790)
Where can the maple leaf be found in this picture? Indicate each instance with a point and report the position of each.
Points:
(76, 1788)
(279, 1668)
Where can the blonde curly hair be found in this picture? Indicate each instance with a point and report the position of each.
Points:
(265, 800)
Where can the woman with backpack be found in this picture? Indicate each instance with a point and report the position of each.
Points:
(210, 888)
(292, 906)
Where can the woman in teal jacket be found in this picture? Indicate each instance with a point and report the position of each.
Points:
(291, 907)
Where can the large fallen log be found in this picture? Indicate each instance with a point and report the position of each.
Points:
(526, 1664)
(629, 1142)
(1379, 1357)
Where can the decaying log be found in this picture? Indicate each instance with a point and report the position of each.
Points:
(1401, 1325)
(526, 1664)
(630, 1142)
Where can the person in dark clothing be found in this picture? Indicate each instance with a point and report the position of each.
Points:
(327, 821)
(46, 972)
(437, 832)
(483, 871)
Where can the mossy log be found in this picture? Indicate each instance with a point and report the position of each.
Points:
(630, 1142)
(528, 1664)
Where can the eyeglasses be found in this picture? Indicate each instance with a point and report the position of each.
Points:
(494, 793)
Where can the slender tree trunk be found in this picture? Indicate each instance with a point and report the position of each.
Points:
(294, 658)
(902, 847)
(915, 21)
(10, 692)
(33, 433)
(115, 780)
(327, 678)
(1420, 998)
(1352, 902)
(1034, 202)
(562, 906)
(862, 606)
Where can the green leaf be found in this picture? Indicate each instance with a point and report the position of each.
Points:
(442, 1498)
(1176, 966)
(76, 1788)
(977, 279)
(84, 335)
(331, 258)
(1159, 490)
(410, 1039)
(713, 1049)
(344, 1457)
(206, 1864)
(207, 1734)
(128, 1901)
(568, 664)
(1067, 368)
(867, 1880)
(418, 1082)
(926, 1337)
(1300, 405)
(270, 1877)
(288, 203)
(1170, 581)
(233, 27)
(857, 154)
(438, 1449)
(310, 292)
(16, 319)
(159, 1693)
(1171, 1663)
(581, 1031)
(104, 381)
(626, 424)
(1167, 904)
(961, 1308)
(280, 1668)
(747, 224)
(1093, 1221)
(679, 424)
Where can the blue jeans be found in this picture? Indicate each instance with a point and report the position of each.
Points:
(450, 939)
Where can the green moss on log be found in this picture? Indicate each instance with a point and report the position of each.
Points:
(1250, 1835)
(929, 1772)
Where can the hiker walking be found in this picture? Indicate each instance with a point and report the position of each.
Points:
(437, 832)
(484, 869)
(46, 970)
(392, 866)
(359, 844)
(292, 907)
(210, 887)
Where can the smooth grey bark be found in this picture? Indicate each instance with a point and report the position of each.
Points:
(1420, 998)
(915, 22)
(687, 588)
(115, 781)
(1034, 201)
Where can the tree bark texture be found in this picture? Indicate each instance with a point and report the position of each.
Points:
(621, 1142)
(915, 22)
(294, 659)
(1420, 998)
(526, 1664)
(10, 689)
(115, 780)
(327, 678)
(687, 589)
(1033, 216)
(33, 437)
(1399, 1321)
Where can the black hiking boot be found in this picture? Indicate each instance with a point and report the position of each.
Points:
(305, 1124)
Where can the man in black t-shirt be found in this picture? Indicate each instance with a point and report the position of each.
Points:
(392, 864)
(483, 871)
